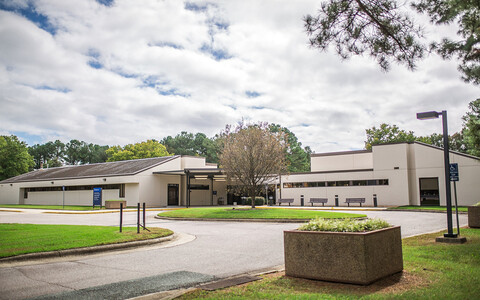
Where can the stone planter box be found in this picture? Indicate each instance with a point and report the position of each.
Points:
(350, 257)
(115, 204)
(474, 216)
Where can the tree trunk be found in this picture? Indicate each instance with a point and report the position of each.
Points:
(253, 195)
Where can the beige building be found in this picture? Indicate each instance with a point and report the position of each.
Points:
(396, 174)
(159, 181)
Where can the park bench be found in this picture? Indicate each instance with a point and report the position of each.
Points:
(318, 200)
(287, 200)
(355, 200)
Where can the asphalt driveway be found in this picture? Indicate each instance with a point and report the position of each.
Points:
(204, 251)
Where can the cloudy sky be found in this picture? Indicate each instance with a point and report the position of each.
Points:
(123, 71)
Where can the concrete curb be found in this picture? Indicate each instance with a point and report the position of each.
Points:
(429, 211)
(86, 250)
(236, 220)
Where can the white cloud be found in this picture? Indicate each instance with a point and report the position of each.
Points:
(140, 70)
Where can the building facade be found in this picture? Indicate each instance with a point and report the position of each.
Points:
(393, 174)
(160, 181)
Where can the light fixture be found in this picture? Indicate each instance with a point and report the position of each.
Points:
(52, 182)
(201, 177)
(104, 179)
(428, 115)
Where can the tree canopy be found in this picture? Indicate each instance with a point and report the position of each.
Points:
(197, 144)
(251, 154)
(386, 31)
(14, 157)
(387, 134)
(298, 158)
(471, 132)
(150, 148)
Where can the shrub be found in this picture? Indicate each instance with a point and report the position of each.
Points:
(258, 201)
(344, 225)
(478, 204)
(114, 200)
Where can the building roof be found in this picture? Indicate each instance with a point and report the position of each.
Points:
(117, 168)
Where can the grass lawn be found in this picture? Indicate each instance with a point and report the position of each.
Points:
(18, 239)
(431, 271)
(55, 207)
(427, 208)
(258, 213)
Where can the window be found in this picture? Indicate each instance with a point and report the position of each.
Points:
(308, 184)
(121, 193)
(199, 187)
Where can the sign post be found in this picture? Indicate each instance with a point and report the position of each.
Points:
(454, 177)
(97, 197)
(63, 189)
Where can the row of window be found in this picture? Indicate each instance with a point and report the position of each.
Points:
(120, 187)
(335, 183)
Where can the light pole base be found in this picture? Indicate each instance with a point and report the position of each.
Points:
(451, 239)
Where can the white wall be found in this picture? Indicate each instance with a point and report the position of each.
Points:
(354, 161)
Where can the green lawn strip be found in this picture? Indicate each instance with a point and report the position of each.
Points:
(18, 239)
(54, 207)
(434, 271)
(259, 213)
(427, 208)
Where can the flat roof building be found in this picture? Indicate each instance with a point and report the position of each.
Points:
(394, 174)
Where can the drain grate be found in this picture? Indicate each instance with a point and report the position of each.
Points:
(228, 282)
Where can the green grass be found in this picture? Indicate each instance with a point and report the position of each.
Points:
(431, 271)
(54, 207)
(18, 239)
(258, 213)
(427, 208)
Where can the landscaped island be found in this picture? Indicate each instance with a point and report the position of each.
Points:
(257, 213)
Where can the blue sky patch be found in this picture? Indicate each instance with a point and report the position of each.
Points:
(61, 90)
(30, 13)
(257, 107)
(172, 92)
(195, 7)
(252, 94)
(165, 44)
(95, 64)
(30, 139)
(218, 54)
(106, 2)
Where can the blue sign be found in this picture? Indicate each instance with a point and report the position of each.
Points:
(454, 172)
(97, 196)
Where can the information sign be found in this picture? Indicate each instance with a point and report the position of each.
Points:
(97, 196)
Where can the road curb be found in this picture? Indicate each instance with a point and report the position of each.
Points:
(429, 211)
(86, 250)
(236, 220)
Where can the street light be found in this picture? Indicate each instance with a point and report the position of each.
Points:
(446, 157)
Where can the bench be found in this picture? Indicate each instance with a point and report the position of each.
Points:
(288, 200)
(355, 200)
(318, 200)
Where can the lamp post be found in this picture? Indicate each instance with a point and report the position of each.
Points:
(446, 157)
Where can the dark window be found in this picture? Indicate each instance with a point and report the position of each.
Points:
(121, 193)
(342, 183)
(332, 183)
(199, 187)
(383, 182)
(359, 182)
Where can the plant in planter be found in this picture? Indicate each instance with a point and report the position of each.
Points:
(474, 216)
(349, 250)
(111, 204)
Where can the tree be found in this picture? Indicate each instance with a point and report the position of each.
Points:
(250, 155)
(384, 30)
(150, 148)
(14, 157)
(387, 134)
(471, 123)
(298, 158)
(189, 144)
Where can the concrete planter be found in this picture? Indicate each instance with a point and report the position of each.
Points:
(474, 216)
(351, 257)
(115, 204)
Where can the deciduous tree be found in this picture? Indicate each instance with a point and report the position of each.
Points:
(150, 148)
(471, 123)
(14, 157)
(251, 154)
(387, 134)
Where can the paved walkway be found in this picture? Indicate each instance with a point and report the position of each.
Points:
(214, 250)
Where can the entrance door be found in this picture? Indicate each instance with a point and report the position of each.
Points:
(173, 194)
(429, 194)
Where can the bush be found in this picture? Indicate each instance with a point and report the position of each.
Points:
(114, 200)
(478, 204)
(258, 201)
(344, 225)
